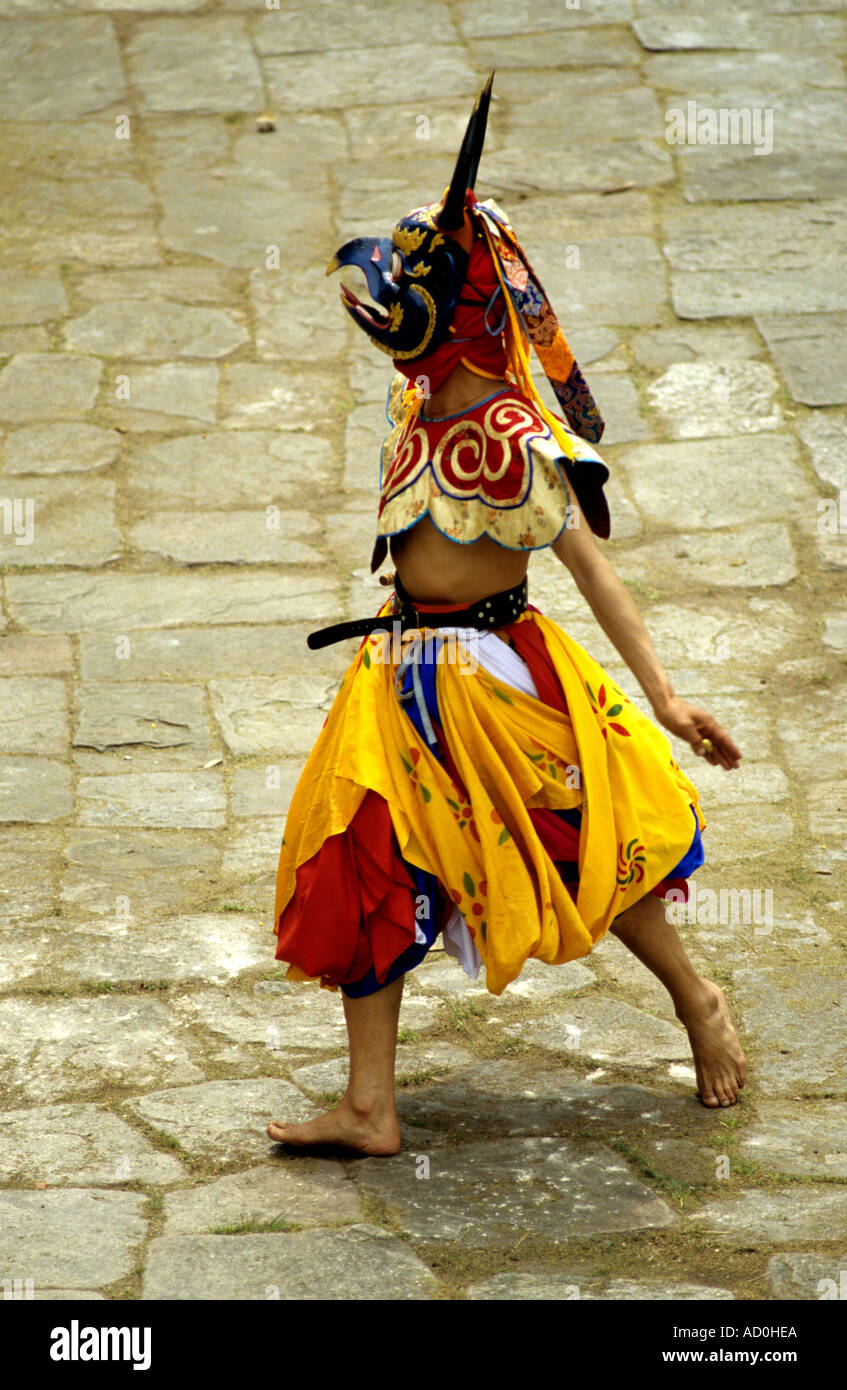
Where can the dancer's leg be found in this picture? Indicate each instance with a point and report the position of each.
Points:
(700, 1005)
(366, 1116)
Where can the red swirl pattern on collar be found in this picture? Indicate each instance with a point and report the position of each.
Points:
(483, 454)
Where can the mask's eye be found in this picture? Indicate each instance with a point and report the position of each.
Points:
(396, 265)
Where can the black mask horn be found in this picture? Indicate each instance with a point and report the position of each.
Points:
(452, 216)
(415, 277)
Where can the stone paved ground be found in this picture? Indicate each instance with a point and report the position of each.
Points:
(195, 430)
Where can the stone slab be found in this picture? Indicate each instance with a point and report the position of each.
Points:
(593, 167)
(232, 217)
(797, 1022)
(360, 1263)
(792, 1217)
(808, 1275)
(224, 1120)
(616, 963)
(81, 1144)
(77, 1238)
(194, 653)
(227, 469)
(173, 800)
(752, 556)
(127, 714)
(287, 1017)
(810, 351)
(606, 1031)
(544, 1286)
(824, 434)
(265, 791)
(482, 1195)
(157, 398)
(657, 348)
(61, 521)
(232, 538)
(811, 732)
(183, 284)
(282, 1017)
(251, 853)
(65, 447)
(117, 602)
(199, 65)
(416, 1064)
(549, 1287)
(714, 484)
(155, 329)
(33, 714)
(745, 30)
(47, 385)
(282, 716)
(31, 298)
(74, 1047)
(132, 876)
(316, 1192)
(85, 46)
(656, 1290)
(513, 1098)
(310, 30)
(25, 339)
(30, 862)
(801, 1140)
(721, 71)
(698, 399)
(307, 81)
(757, 258)
(733, 173)
(618, 403)
(618, 279)
(212, 947)
(34, 790)
(258, 396)
(314, 334)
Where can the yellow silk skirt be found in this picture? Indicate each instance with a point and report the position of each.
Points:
(513, 753)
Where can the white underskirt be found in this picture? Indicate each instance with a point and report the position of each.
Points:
(503, 662)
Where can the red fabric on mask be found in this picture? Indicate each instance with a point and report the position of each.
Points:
(484, 350)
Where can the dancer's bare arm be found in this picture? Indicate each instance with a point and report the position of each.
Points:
(615, 611)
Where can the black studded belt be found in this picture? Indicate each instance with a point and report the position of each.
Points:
(487, 613)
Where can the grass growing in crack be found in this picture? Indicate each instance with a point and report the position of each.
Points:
(419, 1078)
(672, 1186)
(242, 1228)
(407, 1035)
(123, 986)
(511, 1047)
(799, 873)
(167, 1141)
(460, 1011)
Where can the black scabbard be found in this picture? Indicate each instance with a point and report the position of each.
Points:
(357, 627)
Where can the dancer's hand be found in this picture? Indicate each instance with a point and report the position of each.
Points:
(693, 724)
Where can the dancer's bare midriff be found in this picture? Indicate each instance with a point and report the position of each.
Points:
(433, 569)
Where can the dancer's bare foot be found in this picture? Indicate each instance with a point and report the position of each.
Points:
(364, 1129)
(719, 1061)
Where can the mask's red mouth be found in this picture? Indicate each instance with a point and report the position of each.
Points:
(372, 313)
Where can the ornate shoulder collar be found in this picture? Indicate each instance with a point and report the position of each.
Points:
(493, 470)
